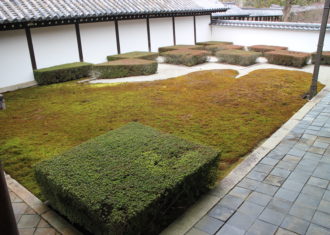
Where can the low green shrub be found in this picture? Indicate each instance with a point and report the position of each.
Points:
(132, 180)
(325, 58)
(186, 57)
(213, 43)
(125, 68)
(288, 58)
(265, 48)
(238, 57)
(134, 55)
(179, 47)
(62, 73)
(220, 47)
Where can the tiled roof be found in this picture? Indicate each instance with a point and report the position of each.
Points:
(38, 10)
(253, 12)
(271, 25)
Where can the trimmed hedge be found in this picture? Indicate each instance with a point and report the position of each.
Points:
(62, 73)
(213, 43)
(125, 68)
(325, 58)
(186, 57)
(238, 57)
(134, 55)
(288, 58)
(132, 180)
(220, 47)
(265, 48)
(179, 47)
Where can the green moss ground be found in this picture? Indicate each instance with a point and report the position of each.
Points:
(209, 107)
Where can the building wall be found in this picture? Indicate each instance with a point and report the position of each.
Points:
(161, 33)
(55, 45)
(296, 40)
(203, 28)
(133, 35)
(98, 41)
(184, 30)
(15, 63)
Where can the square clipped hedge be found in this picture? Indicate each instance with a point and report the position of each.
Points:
(265, 48)
(62, 73)
(288, 58)
(238, 57)
(125, 68)
(134, 55)
(132, 180)
(220, 47)
(325, 58)
(186, 57)
(179, 47)
(207, 43)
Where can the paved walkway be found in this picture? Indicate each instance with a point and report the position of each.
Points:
(287, 192)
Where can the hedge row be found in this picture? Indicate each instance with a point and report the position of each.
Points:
(207, 43)
(238, 57)
(288, 58)
(133, 180)
(179, 47)
(134, 55)
(265, 48)
(62, 73)
(125, 68)
(220, 47)
(325, 58)
(186, 57)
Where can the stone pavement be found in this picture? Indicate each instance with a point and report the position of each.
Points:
(287, 192)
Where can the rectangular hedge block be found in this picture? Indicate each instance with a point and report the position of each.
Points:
(238, 57)
(265, 48)
(220, 47)
(125, 68)
(288, 58)
(213, 43)
(132, 180)
(186, 57)
(179, 47)
(325, 58)
(62, 73)
(134, 55)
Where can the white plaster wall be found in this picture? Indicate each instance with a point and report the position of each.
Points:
(98, 41)
(55, 45)
(133, 35)
(305, 41)
(161, 33)
(203, 28)
(15, 63)
(184, 30)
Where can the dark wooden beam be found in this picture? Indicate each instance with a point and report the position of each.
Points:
(195, 34)
(173, 26)
(117, 36)
(81, 56)
(148, 32)
(30, 46)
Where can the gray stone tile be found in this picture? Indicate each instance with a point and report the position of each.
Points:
(266, 189)
(280, 172)
(250, 208)
(312, 156)
(28, 221)
(324, 206)
(282, 231)
(286, 165)
(229, 229)
(19, 207)
(269, 161)
(322, 219)
(309, 162)
(316, 150)
(318, 182)
(322, 173)
(263, 168)
(221, 213)
(280, 205)
(308, 201)
(302, 212)
(241, 221)
(302, 146)
(209, 225)
(317, 230)
(195, 231)
(274, 180)
(326, 195)
(313, 191)
(295, 224)
(260, 228)
(291, 158)
(240, 192)
(248, 184)
(321, 144)
(259, 198)
(286, 194)
(26, 231)
(272, 216)
(255, 175)
(296, 152)
(299, 176)
(231, 202)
